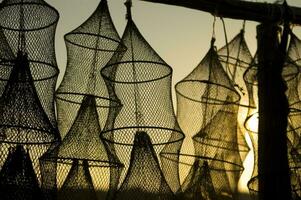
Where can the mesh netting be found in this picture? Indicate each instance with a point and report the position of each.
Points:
(235, 58)
(208, 93)
(29, 25)
(80, 153)
(18, 180)
(208, 178)
(142, 82)
(144, 179)
(23, 119)
(89, 48)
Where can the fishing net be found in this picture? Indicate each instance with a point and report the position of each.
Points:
(83, 166)
(23, 119)
(235, 58)
(142, 82)
(212, 101)
(18, 180)
(29, 26)
(89, 48)
(207, 178)
(144, 179)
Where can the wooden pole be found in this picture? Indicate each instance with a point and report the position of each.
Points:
(273, 170)
(242, 10)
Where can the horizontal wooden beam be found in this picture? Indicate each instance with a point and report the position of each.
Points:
(242, 10)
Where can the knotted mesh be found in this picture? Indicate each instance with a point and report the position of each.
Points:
(23, 119)
(144, 179)
(142, 82)
(82, 156)
(235, 58)
(29, 26)
(18, 180)
(212, 101)
(89, 48)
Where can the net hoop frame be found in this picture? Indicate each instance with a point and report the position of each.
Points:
(31, 29)
(240, 147)
(210, 101)
(107, 132)
(107, 67)
(239, 167)
(60, 95)
(11, 64)
(69, 40)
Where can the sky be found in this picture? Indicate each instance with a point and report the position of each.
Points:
(181, 36)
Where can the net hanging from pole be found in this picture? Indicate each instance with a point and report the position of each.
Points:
(29, 26)
(235, 58)
(89, 48)
(28, 77)
(213, 101)
(142, 82)
(83, 163)
(23, 119)
(144, 179)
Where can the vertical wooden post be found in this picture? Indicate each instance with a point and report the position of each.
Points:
(273, 170)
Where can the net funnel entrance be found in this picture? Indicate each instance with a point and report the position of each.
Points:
(29, 26)
(18, 180)
(89, 48)
(82, 155)
(142, 82)
(23, 119)
(144, 178)
(78, 184)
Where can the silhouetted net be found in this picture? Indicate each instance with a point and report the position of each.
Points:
(27, 82)
(22, 117)
(89, 48)
(142, 82)
(29, 26)
(18, 180)
(235, 58)
(144, 179)
(82, 165)
(213, 102)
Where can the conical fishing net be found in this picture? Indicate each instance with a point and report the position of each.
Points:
(142, 82)
(144, 179)
(18, 180)
(89, 48)
(23, 119)
(29, 26)
(212, 101)
(235, 58)
(28, 77)
(82, 151)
